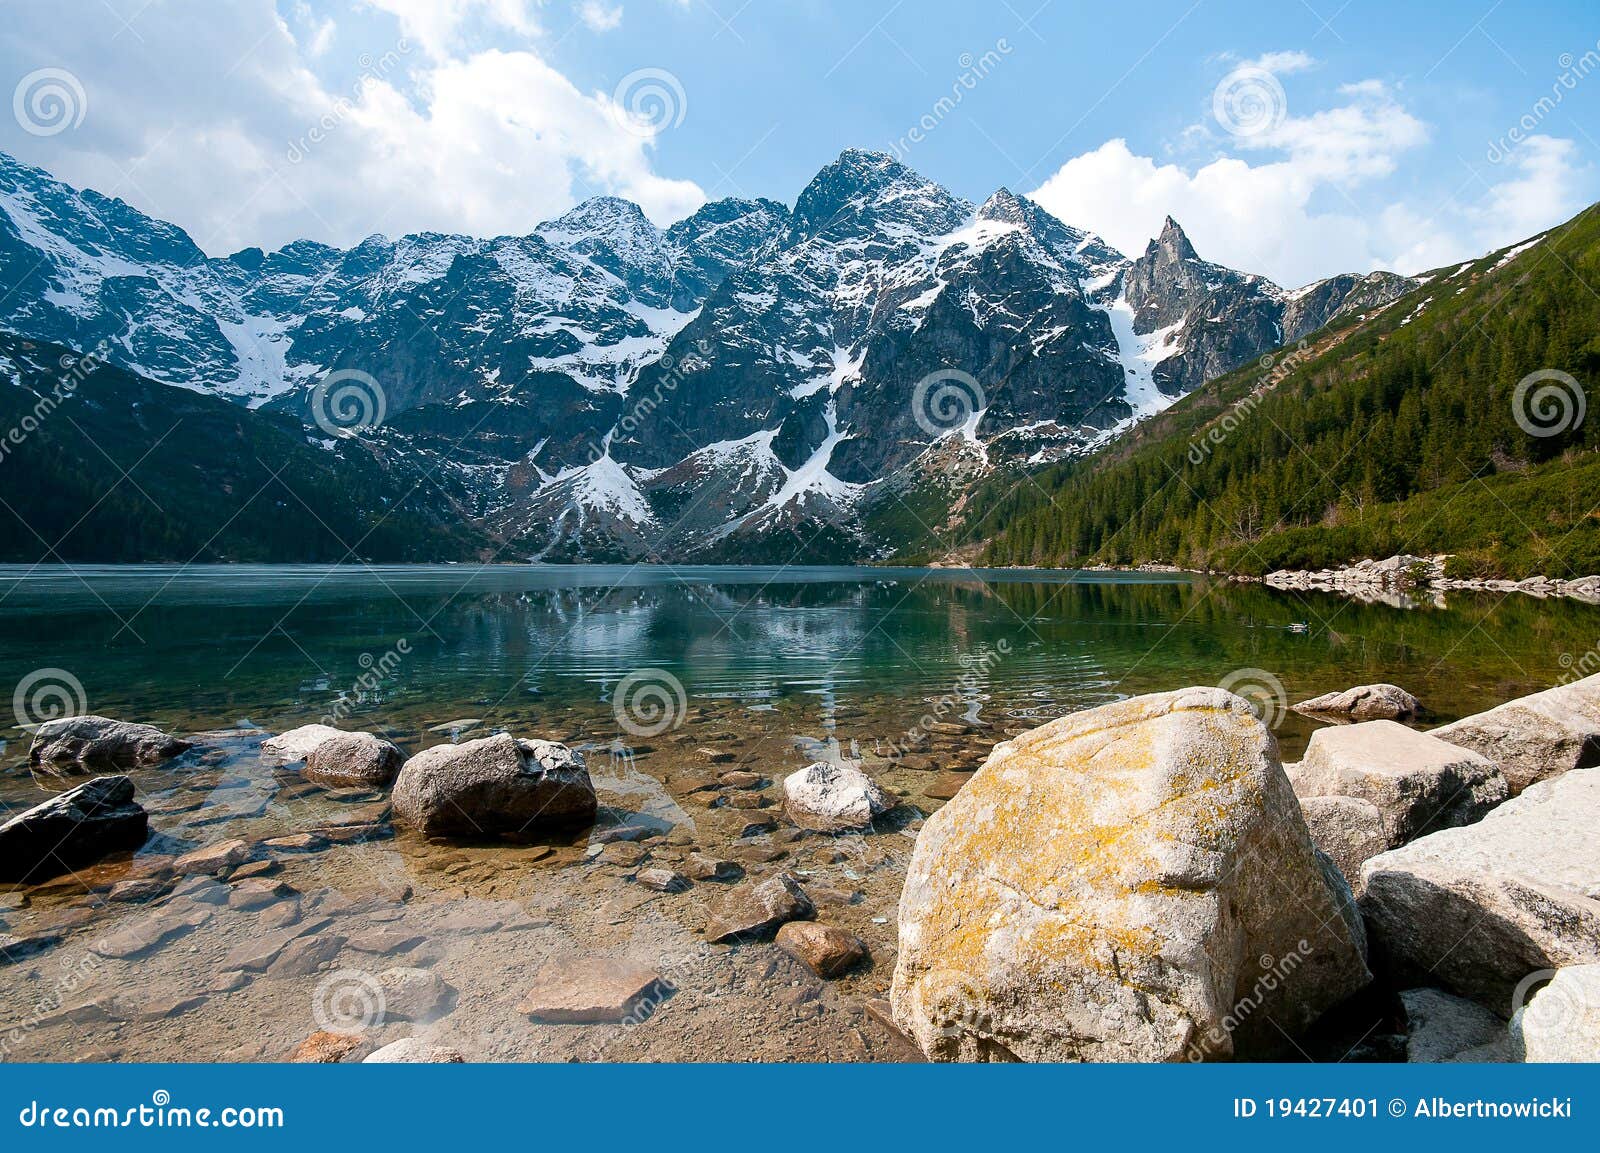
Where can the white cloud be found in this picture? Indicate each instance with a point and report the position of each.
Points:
(600, 16)
(1282, 63)
(1310, 210)
(420, 133)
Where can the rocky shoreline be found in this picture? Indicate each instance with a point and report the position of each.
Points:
(1403, 580)
(1197, 898)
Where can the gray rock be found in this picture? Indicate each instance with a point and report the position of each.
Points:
(1418, 783)
(755, 909)
(1348, 829)
(74, 744)
(1561, 1021)
(496, 786)
(72, 829)
(354, 759)
(1130, 883)
(411, 994)
(298, 744)
(1364, 703)
(1442, 1027)
(1476, 909)
(213, 859)
(1538, 736)
(833, 798)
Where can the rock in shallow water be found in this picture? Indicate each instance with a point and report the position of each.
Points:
(1130, 883)
(1538, 736)
(1364, 703)
(1477, 909)
(826, 949)
(298, 744)
(72, 829)
(586, 990)
(91, 742)
(354, 759)
(755, 909)
(834, 798)
(495, 786)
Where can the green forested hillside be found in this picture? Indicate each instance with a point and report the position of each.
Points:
(1396, 433)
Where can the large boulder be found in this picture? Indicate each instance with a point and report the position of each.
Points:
(1418, 783)
(88, 743)
(1441, 1027)
(72, 829)
(298, 744)
(834, 798)
(1349, 830)
(1561, 1021)
(1364, 703)
(1130, 883)
(1478, 908)
(1537, 736)
(353, 760)
(496, 786)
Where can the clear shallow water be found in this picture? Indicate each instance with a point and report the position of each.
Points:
(775, 668)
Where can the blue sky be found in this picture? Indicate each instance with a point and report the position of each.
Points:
(1294, 138)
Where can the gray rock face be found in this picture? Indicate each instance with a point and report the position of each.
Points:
(1440, 1027)
(1418, 783)
(1130, 883)
(71, 829)
(756, 909)
(1561, 1021)
(88, 743)
(411, 994)
(353, 759)
(497, 786)
(834, 798)
(1349, 830)
(1364, 703)
(1478, 908)
(1537, 736)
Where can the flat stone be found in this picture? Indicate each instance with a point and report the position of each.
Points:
(229, 982)
(306, 955)
(740, 779)
(747, 801)
(259, 892)
(715, 756)
(662, 880)
(585, 990)
(755, 909)
(1476, 909)
(296, 843)
(623, 854)
(325, 1048)
(256, 953)
(138, 890)
(828, 950)
(945, 786)
(213, 859)
(385, 941)
(700, 867)
(15, 948)
(145, 935)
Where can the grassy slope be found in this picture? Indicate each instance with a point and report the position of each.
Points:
(1389, 434)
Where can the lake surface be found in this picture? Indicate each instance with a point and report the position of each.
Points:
(665, 678)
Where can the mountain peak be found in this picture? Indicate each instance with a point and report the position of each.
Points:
(871, 186)
(1174, 242)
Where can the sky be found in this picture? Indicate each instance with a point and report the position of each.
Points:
(1296, 139)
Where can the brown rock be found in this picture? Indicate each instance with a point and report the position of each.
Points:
(703, 868)
(213, 859)
(662, 880)
(739, 779)
(583, 990)
(755, 909)
(325, 1048)
(306, 955)
(828, 950)
(623, 854)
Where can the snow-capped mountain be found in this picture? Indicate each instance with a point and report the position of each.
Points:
(749, 383)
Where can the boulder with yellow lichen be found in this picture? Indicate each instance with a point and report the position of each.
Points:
(1130, 883)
